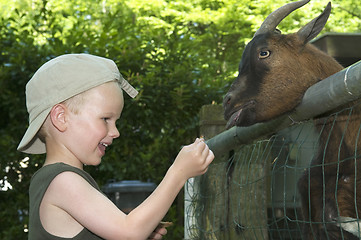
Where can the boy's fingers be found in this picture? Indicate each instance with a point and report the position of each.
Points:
(210, 156)
(160, 231)
(205, 151)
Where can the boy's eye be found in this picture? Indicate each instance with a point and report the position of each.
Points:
(105, 119)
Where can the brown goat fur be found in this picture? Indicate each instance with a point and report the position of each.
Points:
(274, 74)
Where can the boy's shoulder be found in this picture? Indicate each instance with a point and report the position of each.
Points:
(68, 184)
(62, 172)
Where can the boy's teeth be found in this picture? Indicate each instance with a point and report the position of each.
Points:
(105, 145)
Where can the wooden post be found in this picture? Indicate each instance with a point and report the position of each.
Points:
(212, 186)
(205, 196)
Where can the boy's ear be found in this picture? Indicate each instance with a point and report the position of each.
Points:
(58, 116)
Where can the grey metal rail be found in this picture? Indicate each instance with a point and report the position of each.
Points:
(334, 91)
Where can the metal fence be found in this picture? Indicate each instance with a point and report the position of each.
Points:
(250, 190)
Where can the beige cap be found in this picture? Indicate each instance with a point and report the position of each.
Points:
(60, 79)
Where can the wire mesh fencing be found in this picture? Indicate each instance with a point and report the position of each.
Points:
(254, 191)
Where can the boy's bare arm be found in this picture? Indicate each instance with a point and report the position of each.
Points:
(97, 213)
(193, 160)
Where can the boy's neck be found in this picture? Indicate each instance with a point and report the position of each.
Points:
(52, 158)
(56, 153)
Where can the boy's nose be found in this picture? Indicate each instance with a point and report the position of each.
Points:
(114, 133)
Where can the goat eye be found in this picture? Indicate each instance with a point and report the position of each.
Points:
(264, 54)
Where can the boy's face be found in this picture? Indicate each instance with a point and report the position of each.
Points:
(93, 129)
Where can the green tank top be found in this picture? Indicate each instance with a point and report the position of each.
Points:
(38, 186)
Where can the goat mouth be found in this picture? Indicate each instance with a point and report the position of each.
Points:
(238, 115)
(232, 121)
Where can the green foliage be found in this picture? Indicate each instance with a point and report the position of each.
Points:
(179, 54)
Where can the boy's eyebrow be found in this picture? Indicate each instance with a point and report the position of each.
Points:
(116, 115)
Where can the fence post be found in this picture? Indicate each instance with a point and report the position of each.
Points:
(211, 124)
(213, 190)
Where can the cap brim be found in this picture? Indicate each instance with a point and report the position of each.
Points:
(30, 143)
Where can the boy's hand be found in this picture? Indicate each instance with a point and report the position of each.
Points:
(160, 231)
(193, 159)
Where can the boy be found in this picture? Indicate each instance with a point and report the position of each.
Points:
(74, 102)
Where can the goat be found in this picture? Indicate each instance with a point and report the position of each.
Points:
(274, 73)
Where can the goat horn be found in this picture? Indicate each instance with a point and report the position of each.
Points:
(272, 21)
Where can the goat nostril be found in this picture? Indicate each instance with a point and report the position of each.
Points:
(228, 100)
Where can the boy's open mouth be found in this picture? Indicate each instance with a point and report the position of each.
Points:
(102, 147)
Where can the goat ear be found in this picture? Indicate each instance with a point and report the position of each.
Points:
(313, 28)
